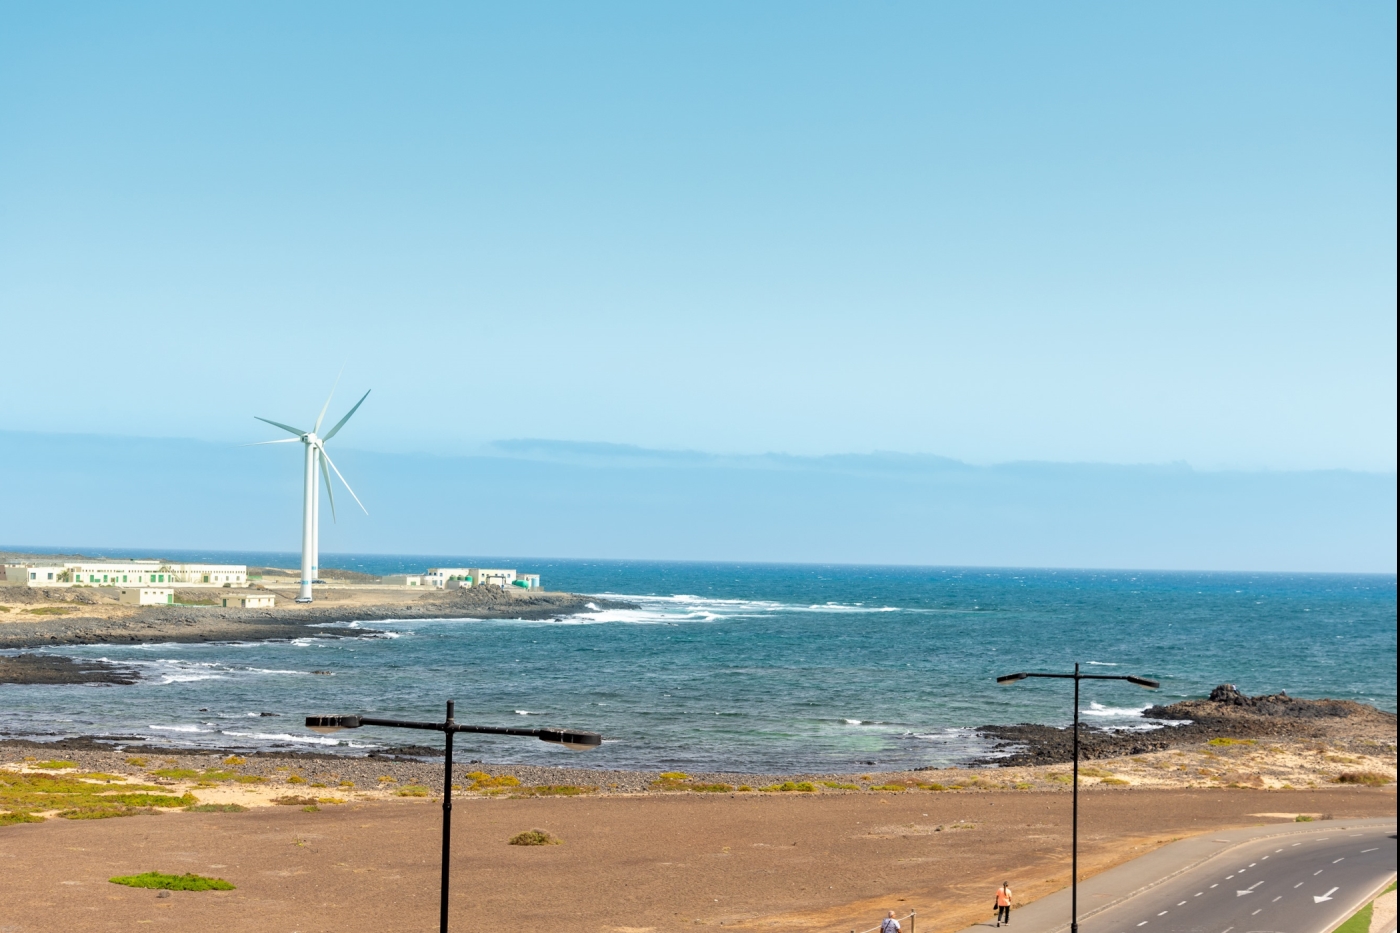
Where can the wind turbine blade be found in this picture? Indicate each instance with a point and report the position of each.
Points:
(322, 415)
(327, 477)
(284, 440)
(342, 478)
(341, 423)
(285, 427)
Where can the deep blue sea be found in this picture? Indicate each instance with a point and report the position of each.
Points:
(749, 667)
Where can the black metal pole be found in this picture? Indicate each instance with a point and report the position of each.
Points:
(1074, 831)
(447, 814)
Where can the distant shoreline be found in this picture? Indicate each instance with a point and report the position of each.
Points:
(37, 617)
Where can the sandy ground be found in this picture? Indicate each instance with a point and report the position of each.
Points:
(628, 864)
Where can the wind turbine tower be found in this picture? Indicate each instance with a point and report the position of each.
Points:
(316, 462)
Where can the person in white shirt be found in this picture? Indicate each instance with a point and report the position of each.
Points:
(889, 924)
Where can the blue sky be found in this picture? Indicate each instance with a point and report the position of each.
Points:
(1128, 234)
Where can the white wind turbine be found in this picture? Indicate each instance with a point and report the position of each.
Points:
(316, 456)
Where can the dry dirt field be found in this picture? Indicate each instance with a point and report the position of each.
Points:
(627, 864)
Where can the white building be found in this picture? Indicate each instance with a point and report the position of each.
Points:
(255, 601)
(439, 576)
(124, 572)
(402, 579)
(146, 596)
(451, 578)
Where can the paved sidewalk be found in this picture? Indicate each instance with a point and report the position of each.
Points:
(1051, 914)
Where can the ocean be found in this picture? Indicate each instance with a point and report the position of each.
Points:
(751, 667)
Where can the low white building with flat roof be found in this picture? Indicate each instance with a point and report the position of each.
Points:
(127, 572)
(146, 595)
(452, 578)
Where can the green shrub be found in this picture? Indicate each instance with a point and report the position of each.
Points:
(535, 837)
(54, 765)
(217, 808)
(413, 790)
(801, 787)
(154, 879)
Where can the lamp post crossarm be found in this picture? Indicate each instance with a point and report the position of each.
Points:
(1081, 676)
(404, 724)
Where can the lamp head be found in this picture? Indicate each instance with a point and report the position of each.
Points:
(328, 724)
(1144, 682)
(1011, 678)
(574, 741)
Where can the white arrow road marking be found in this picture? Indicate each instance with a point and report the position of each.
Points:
(1325, 897)
(1249, 890)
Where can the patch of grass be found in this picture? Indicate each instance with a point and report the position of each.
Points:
(1094, 772)
(535, 837)
(743, 788)
(298, 779)
(98, 776)
(138, 762)
(53, 765)
(352, 784)
(1114, 781)
(1022, 785)
(1060, 778)
(383, 779)
(217, 808)
(933, 787)
(674, 776)
(215, 774)
(311, 808)
(24, 797)
(801, 787)
(103, 812)
(891, 788)
(1366, 778)
(837, 785)
(235, 760)
(1224, 741)
(292, 800)
(1302, 818)
(250, 779)
(481, 780)
(162, 882)
(176, 774)
(51, 611)
(557, 790)
(413, 790)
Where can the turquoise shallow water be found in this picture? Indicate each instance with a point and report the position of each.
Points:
(758, 667)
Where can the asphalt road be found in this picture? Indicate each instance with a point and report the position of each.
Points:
(1305, 883)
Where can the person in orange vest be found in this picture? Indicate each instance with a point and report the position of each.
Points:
(1003, 903)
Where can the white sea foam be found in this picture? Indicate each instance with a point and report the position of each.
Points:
(1098, 709)
(297, 739)
(180, 729)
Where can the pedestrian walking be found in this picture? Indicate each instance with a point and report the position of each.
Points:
(889, 924)
(1002, 904)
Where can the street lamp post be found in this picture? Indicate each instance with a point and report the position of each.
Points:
(1074, 831)
(569, 738)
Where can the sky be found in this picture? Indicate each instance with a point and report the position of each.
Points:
(1070, 233)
